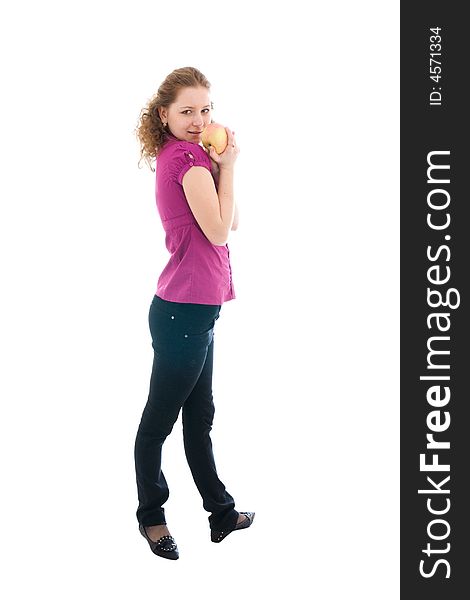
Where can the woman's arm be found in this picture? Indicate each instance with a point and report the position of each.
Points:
(213, 209)
(215, 174)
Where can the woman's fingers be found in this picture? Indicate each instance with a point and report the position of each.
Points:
(230, 137)
(213, 154)
(229, 154)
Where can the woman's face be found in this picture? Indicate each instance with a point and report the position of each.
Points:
(189, 114)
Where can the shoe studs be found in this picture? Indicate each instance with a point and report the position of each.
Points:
(164, 546)
(168, 548)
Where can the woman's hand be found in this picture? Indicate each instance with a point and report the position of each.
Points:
(227, 158)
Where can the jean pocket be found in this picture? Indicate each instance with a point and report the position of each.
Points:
(196, 340)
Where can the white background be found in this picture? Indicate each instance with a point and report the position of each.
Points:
(306, 364)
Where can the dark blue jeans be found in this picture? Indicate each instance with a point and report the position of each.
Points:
(183, 344)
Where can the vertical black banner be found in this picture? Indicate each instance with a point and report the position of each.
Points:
(435, 333)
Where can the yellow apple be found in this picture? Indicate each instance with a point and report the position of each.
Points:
(215, 135)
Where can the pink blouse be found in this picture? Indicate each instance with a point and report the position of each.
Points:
(197, 271)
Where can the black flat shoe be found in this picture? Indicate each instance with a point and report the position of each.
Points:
(218, 536)
(164, 546)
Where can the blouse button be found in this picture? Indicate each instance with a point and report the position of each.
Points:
(191, 163)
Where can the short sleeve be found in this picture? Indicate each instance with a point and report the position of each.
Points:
(185, 156)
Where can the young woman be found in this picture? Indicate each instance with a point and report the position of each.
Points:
(194, 195)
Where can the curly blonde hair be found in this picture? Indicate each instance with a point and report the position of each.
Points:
(150, 131)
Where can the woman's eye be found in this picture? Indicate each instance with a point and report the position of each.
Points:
(185, 112)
